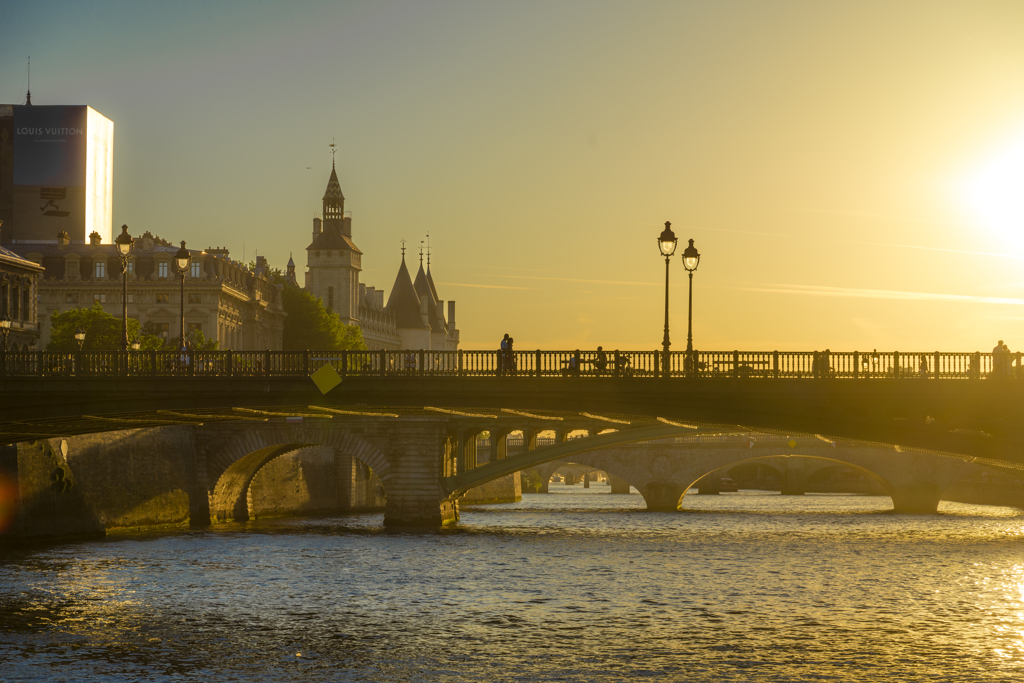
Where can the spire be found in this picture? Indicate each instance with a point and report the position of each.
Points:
(28, 90)
(333, 191)
(404, 303)
(430, 279)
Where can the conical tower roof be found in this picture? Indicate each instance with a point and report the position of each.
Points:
(404, 303)
(425, 291)
(333, 191)
(430, 281)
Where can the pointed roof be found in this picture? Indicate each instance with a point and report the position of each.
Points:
(425, 291)
(333, 186)
(430, 281)
(291, 263)
(404, 303)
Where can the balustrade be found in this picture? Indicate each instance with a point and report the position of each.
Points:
(739, 365)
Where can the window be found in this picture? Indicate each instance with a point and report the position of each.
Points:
(195, 327)
(99, 269)
(15, 304)
(26, 305)
(72, 269)
(161, 269)
(131, 267)
(161, 330)
(197, 270)
(99, 298)
(195, 298)
(163, 298)
(71, 298)
(330, 299)
(131, 298)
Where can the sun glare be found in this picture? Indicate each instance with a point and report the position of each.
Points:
(994, 194)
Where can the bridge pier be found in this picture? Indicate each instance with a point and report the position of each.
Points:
(919, 499)
(663, 496)
(794, 479)
(416, 454)
(618, 484)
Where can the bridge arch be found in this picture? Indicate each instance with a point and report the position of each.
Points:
(242, 459)
(914, 481)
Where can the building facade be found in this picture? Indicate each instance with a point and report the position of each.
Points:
(19, 279)
(240, 309)
(56, 172)
(412, 318)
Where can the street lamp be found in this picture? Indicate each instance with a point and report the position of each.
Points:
(181, 261)
(80, 337)
(667, 245)
(691, 259)
(5, 327)
(124, 244)
(136, 344)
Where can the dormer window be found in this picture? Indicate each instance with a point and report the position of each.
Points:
(72, 269)
(100, 269)
(162, 269)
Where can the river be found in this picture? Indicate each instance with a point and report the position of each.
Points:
(576, 585)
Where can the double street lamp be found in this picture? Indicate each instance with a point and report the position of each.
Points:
(691, 258)
(181, 263)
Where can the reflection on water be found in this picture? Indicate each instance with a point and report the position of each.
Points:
(577, 585)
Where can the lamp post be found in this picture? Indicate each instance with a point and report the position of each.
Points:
(181, 261)
(691, 259)
(124, 244)
(667, 245)
(5, 327)
(80, 337)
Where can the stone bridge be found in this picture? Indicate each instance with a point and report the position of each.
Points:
(664, 470)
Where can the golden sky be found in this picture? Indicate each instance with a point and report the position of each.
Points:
(852, 173)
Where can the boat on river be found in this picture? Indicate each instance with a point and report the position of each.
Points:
(727, 485)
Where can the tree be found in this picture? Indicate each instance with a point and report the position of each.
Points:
(102, 330)
(311, 326)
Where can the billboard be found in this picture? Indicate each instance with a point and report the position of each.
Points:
(63, 173)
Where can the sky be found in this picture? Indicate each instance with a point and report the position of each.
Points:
(851, 172)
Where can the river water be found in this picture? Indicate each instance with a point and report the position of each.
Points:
(576, 585)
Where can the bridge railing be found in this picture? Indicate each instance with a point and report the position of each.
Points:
(566, 364)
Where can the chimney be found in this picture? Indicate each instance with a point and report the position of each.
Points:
(380, 298)
(346, 226)
(318, 227)
(451, 313)
(94, 239)
(425, 311)
(63, 239)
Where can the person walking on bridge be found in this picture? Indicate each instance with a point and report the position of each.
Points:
(503, 354)
(1001, 359)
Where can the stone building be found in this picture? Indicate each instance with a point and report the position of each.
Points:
(413, 318)
(239, 308)
(19, 280)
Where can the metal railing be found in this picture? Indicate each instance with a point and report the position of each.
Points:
(626, 365)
